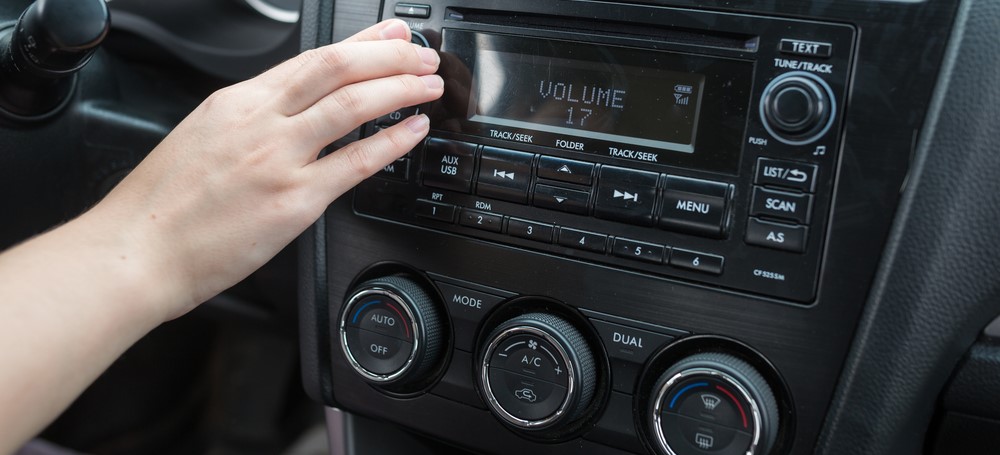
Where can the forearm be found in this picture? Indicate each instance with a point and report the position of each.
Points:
(71, 301)
(235, 182)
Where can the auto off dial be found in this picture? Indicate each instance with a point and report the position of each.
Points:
(391, 331)
(537, 372)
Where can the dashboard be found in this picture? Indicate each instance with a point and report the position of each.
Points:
(650, 227)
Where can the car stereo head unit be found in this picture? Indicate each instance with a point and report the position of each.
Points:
(660, 107)
(632, 142)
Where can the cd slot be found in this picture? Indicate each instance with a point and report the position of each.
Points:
(662, 33)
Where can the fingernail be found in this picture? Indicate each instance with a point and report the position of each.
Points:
(433, 81)
(395, 30)
(429, 56)
(418, 123)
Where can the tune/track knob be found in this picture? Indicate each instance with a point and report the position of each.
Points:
(713, 403)
(537, 372)
(391, 331)
(797, 108)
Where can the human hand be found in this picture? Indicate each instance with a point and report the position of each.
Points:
(239, 178)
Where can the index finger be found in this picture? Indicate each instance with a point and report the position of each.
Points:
(388, 29)
(385, 30)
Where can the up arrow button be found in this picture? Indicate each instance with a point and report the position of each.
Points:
(563, 170)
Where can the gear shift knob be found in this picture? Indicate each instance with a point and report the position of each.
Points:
(51, 41)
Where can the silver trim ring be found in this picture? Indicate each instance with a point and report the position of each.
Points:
(661, 439)
(371, 376)
(488, 388)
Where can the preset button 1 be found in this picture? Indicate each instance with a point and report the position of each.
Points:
(435, 210)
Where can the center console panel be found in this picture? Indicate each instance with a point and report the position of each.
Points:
(632, 229)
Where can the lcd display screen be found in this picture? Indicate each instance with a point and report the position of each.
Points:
(652, 106)
(647, 107)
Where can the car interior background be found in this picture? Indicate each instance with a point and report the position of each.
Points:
(656, 227)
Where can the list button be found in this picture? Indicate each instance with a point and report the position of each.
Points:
(789, 174)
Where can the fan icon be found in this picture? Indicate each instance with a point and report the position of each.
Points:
(532, 344)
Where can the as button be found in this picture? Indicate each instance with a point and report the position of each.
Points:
(776, 235)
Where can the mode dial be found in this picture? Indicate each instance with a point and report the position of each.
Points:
(797, 108)
(391, 331)
(713, 403)
(537, 372)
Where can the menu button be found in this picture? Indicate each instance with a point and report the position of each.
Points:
(695, 206)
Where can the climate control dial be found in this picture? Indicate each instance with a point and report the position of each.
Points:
(537, 372)
(391, 332)
(713, 403)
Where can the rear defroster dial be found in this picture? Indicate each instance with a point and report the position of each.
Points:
(537, 372)
(713, 403)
